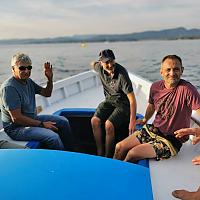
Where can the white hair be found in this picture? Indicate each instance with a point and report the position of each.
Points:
(20, 57)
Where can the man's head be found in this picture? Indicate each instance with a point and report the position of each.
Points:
(171, 70)
(107, 59)
(21, 66)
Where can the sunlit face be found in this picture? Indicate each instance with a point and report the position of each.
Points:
(109, 66)
(171, 71)
(22, 71)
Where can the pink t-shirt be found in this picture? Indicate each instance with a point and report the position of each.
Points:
(173, 106)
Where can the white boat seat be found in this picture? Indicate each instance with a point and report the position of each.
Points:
(31, 144)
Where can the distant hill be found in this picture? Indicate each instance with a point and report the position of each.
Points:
(167, 34)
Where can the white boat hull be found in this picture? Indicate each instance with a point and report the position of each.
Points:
(85, 91)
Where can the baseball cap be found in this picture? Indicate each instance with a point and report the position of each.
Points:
(106, 55)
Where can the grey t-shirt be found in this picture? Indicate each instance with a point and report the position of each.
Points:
(117, 87)
(16, 95)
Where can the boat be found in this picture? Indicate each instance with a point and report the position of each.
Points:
(83, 44)
(82, 174)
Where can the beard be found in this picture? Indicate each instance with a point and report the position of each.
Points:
(172, 81)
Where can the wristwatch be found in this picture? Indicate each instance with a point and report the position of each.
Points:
(41, 125)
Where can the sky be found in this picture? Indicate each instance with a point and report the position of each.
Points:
(54, 18)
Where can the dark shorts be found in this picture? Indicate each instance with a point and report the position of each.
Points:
(163, 148)
(118, 114)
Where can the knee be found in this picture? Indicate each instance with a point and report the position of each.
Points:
(54, 138)
(109, 128)
(64, 121)
(64, 125)
(55, 141)
(131, 153)
(119, 147)
(95, 121)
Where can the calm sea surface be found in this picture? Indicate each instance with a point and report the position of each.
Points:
(142, 58)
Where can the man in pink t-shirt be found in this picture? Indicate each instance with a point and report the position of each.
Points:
(173, 100)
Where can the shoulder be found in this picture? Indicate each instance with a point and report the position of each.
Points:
(187, 87)
(121, 70)
(33, 85)
(9, 82)
(30, 81)
(157, 84)
(157, 87)
(9, 88)
(185, 83)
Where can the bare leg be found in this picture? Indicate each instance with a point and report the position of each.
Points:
(196, 160)
(186, 195)
(96, 127)
(124, 146)
(110, 139)
(139, 152)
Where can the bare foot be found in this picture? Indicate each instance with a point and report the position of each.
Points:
(196, 160)
(186, 195)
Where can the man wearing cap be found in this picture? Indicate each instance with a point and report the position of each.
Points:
(119, 107)
(18, 107)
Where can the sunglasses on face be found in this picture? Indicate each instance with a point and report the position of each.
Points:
(23, 68)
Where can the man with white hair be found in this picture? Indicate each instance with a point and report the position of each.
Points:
(18, 107)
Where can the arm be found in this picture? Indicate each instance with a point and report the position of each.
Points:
(148, 114)
(187, 131)
(190, 131)
(46, 92)
(93, 64)
(133, 106)
(18, 118)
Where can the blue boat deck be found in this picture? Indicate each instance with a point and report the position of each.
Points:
(50, 174)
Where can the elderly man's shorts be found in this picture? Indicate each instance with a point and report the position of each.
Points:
(163, 148)
(119, 115)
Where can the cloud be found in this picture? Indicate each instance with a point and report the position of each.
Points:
(50, 18)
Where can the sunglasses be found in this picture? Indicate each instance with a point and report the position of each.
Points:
(23, 68)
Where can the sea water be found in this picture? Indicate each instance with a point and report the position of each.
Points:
(140, 57)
